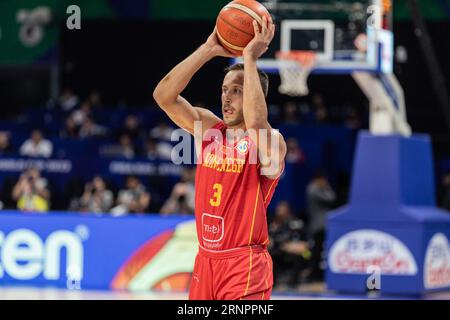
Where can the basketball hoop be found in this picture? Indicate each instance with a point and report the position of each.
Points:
(295, 67)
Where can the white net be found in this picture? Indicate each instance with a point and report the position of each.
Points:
(295, 68)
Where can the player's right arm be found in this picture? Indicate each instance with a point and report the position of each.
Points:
(168, 92)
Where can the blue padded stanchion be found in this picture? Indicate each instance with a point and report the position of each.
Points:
(390, 237)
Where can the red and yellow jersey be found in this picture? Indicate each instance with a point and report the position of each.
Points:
(231, 194)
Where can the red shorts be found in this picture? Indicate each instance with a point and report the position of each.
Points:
(241, 273)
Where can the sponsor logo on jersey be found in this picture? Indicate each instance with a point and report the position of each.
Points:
(212, 228)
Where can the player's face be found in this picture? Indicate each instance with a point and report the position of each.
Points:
(232, 93)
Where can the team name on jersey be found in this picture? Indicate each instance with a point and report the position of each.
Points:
(220, 164)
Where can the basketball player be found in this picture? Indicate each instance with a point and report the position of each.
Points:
(232, 191)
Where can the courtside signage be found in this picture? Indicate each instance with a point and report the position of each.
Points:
(80, 251)
(437, 263)
(24, 255)
(356, 251)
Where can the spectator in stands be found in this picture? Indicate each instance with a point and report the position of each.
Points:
(131, 127)
(70, 129)
(288, 247)
(6, 149)
(154, 150)
(31, 192)
(162, 131)
(126, 147)
(96, 197)
(164, 150)
(320, 198)
(294, 153)
(275, 113)
(320, 108)
(182, 198)
(445, 198)
(133, 199)
(162, 134)
(151, 150)
(68, 101)
(36, 146)
(95, 99)
(352, 118)
(290, 112)
(89, 129)
(79, 116)
(304, 109)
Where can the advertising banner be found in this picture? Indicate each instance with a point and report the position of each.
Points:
(74, 251)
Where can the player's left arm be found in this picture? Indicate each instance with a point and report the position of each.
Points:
(270, 143)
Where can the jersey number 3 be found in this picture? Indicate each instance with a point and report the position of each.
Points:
(215, 200)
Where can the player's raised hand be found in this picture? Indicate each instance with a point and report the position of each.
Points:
(217, 49)
(261, 41)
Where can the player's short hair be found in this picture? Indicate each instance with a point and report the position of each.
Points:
(263, 77)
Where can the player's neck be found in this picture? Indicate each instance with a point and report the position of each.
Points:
(236, 131)
(240, 126)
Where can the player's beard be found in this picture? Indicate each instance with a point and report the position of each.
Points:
(235, 120)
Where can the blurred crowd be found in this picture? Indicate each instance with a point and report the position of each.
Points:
(132, 136)
(31, 193)
(297, 234)
(297, 242)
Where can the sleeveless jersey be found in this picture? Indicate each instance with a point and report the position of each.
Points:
(231, 194)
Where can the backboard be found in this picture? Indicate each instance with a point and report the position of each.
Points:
(346, 35)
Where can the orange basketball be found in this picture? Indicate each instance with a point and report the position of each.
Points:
(235, 23)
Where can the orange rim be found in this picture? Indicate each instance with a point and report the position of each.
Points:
(303, 58)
